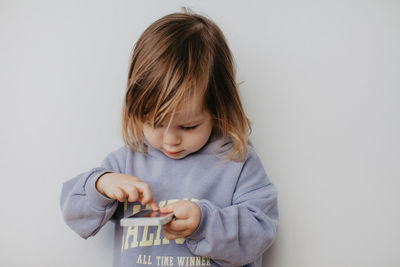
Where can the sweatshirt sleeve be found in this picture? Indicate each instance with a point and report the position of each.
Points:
(85, 210)
(239, 234)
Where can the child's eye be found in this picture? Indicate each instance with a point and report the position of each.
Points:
(188, 128)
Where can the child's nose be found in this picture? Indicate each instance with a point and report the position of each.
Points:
(171, 138)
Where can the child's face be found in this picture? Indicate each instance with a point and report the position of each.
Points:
(188, 132)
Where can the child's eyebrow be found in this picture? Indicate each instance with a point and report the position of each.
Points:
(192, 122)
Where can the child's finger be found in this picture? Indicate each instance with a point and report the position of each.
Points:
(177, 225)
(179, 208)
(131, 192)
(166, 209)
(174, 207)
(176, 234)
(145, 190)
(119, 195)
(153, 204)
(171, 236)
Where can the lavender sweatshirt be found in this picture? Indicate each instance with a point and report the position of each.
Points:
(238, 203)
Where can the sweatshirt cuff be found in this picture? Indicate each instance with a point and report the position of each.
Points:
(96, 199)
(200, 232)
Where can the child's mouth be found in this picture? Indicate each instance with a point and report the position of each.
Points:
(172, 153)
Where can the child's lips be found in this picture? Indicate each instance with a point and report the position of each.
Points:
(172, 153)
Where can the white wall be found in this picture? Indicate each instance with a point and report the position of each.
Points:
(321, 84)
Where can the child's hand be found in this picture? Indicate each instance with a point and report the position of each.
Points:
(187, 215)
(120, 186)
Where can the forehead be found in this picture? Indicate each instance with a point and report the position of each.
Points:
(190, 110)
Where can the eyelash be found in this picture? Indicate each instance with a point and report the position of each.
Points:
(182, 127)
(188, 128)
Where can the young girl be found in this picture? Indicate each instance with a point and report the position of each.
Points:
(186, 151)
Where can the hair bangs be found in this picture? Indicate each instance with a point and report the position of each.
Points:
(181, 74)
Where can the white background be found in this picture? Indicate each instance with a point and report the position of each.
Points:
(321, 83)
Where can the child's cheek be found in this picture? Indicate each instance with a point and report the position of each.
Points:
(153, 136)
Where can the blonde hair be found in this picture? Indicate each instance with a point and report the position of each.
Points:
(176, 57)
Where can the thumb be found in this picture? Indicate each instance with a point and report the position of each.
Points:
(167, 209)
(171, 207)
(179, 208)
